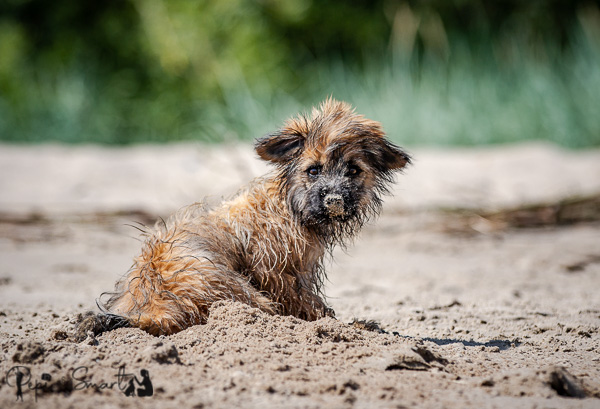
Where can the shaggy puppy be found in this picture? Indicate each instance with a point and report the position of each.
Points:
(265, 247)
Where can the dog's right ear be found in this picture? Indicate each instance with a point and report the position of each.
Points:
(279, 147)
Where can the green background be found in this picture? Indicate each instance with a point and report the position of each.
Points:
(454, 72)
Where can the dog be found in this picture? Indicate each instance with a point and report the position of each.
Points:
(264, 247)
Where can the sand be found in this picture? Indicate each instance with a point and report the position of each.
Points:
(471, 313)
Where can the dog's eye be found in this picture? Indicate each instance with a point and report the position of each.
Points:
(313, 171)
(353, 170)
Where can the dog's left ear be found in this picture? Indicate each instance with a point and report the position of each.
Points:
(279, 147)
(386, 156)
(383, 155)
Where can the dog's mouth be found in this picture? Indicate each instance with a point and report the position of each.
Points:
(333, 210)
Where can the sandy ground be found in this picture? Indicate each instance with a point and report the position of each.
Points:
(474, 314)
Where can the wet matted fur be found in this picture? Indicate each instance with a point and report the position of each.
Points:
(265, 247)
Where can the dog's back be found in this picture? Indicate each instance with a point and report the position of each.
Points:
(249, 250)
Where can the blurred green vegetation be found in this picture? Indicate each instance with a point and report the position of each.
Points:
(432, 71)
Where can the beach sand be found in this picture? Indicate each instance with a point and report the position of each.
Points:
(485, 293)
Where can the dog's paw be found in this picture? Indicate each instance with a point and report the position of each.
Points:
(97, 323)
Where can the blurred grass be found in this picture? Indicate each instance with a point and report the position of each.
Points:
(464, 104)
(427, 85)
(469, 102)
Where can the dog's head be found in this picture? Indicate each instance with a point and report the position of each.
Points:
(333, 167)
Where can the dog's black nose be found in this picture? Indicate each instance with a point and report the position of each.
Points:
(334, 204)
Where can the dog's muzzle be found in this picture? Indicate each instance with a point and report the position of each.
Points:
(334, 205)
